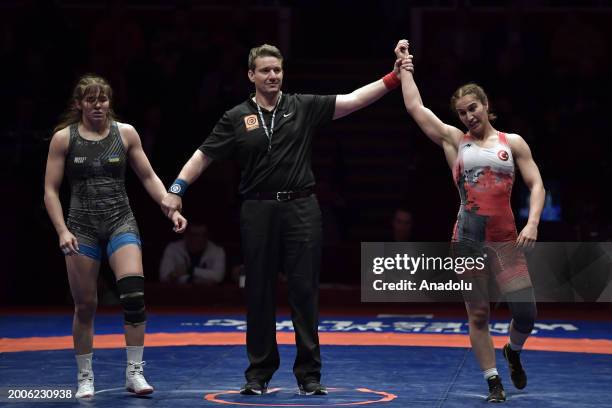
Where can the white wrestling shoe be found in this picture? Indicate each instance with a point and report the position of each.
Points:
(134, 379)
(86, 384)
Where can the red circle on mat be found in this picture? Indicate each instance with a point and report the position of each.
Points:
(384, 397)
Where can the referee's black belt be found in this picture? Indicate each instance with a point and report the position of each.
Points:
(278, 195)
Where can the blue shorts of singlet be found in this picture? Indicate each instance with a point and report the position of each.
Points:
(116, 242)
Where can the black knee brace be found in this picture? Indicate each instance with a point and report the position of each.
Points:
(131, 296)
(523, 307)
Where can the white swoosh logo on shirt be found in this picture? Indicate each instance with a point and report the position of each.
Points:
(285, 115)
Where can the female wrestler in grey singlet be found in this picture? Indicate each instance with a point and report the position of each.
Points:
(92, 149)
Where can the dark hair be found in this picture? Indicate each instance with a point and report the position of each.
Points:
(404, 209)
(265, 50)
(472, 89)
(88, 83)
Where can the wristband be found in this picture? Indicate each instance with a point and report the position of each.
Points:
(391, 81)
(178, 187)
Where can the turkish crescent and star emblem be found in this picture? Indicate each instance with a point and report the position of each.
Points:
(251, 122)
(503, 155)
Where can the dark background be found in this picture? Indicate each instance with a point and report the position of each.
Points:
(175, 67)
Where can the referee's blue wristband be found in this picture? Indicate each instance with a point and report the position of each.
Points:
(178, 187)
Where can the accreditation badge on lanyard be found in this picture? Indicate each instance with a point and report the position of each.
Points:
(269, 132)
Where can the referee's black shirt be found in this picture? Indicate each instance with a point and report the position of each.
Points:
(239, 135)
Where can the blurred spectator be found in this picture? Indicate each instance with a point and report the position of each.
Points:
(402, 225)
(193, 259)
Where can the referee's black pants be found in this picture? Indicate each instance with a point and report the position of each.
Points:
(282, 235)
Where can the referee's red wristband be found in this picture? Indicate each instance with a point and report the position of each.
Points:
(391, 81)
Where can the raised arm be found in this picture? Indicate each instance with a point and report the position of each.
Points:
(359, 98)
(439, 132)
(54, 174)
(190, 172)
(366, 95)
(142, 167)
(532, 178)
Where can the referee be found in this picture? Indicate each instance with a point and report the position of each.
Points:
(270, 136)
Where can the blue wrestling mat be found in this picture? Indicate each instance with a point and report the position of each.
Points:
(377, 374)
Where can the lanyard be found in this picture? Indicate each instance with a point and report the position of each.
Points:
(270, 132)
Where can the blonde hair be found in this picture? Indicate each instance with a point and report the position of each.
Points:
(88, 83)
(476, 90)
